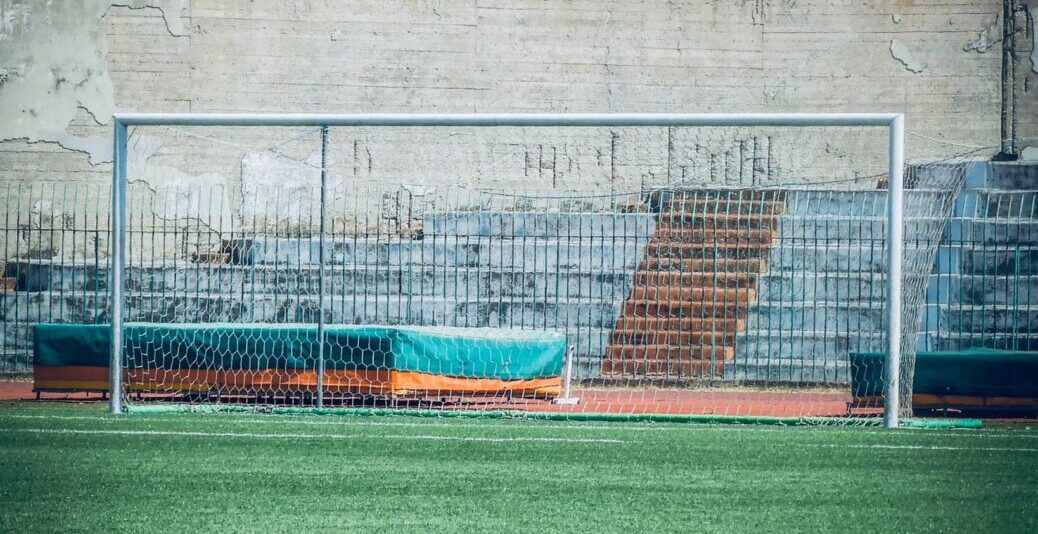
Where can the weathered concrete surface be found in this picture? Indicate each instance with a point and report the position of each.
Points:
(68, 65)
(54, 64)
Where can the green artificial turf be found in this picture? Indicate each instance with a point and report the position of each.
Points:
(73, 468)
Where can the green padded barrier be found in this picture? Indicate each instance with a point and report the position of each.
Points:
(72, 344)
(467, 353)
(458, 352)
(975, 372)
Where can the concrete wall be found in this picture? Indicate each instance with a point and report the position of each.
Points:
(66, 66)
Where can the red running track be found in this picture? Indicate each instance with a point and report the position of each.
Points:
(611, 401)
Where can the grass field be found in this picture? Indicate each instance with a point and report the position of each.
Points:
(72, 468)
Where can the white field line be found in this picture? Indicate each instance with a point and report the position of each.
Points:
(260, 435)
(519, 423)
(431, 437)
(916, 447)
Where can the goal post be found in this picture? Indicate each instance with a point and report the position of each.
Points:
(895, 240)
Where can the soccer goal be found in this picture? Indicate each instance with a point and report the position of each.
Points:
(718, 266)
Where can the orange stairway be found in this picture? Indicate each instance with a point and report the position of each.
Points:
(691, 294)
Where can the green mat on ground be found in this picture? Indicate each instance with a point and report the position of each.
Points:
(458, 352)
(975, 372)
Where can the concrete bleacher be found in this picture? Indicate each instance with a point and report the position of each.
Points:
(984, 292)
(778, 289)
(470, 270)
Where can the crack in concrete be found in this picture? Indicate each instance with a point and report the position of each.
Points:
(903, 55)
(174, 23)
(98, 149)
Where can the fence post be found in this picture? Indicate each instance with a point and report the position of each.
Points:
(320, 268)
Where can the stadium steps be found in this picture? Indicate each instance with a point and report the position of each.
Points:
(339, 279)
(287, 307)
(696, 279)
(795, 314)
(1004, 339)
(832, 343)
(672, 352)
(652, 265)
(673, 337)
(702, 294)
(820, 300)
(964, 320)
(638, 370)
(652, 324)
(521, 225)
(987, 277)
(695, 285)
(721, 221)
(503, 270)
(719, 237)
(790, 371)
(683, 308)
(531, 254)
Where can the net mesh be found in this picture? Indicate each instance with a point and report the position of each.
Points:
(716, 271)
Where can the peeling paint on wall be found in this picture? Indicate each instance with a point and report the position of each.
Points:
(270, 56)
(177, 194)
(266, 176)
(43, 85)
(987, 38)
(904, 56)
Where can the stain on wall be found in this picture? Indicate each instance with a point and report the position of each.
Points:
(931, 59)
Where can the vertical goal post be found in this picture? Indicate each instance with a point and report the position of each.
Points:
(894, 122)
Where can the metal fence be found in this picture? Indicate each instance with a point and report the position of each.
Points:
(754, 285)
(983, 291)
(55, 242)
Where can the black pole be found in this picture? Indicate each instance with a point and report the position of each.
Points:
(1008, 145)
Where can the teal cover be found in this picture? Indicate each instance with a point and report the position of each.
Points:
(72, 344)
(458, 352)
(975, 372)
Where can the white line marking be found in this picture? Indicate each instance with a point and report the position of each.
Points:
(429, 437)
(917, 447)
(381, 421)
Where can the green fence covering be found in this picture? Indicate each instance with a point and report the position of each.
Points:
(973, 372)
(458, 352)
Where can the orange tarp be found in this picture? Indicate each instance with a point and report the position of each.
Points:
(372, 382)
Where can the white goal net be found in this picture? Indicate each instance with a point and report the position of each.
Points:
(550, 266)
